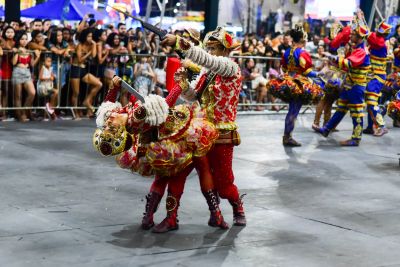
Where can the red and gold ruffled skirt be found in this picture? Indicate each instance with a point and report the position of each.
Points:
(185, 135)
(297, 88)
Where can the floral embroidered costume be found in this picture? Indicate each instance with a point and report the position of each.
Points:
(153, 137)
(217, 88)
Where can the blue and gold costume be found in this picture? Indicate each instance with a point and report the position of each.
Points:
(298, 64)
(378, 55)
(295, 87)
(357, 65)
(333, 77)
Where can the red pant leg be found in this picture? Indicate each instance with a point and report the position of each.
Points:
(159, 184)
(176, 183)
(204, 171)
(220, 158)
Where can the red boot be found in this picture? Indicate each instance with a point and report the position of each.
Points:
(239, 218)
(216, 218)
(170, 222)
(152, 201)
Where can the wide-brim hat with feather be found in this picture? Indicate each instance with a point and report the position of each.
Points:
(223, 37)
(193, 33)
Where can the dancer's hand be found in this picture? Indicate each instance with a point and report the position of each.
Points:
(331, 57)
(169, 40)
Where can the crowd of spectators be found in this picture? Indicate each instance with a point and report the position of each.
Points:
(45, 65)
(48, 66)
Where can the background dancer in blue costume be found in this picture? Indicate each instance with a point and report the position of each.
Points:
(357, 64)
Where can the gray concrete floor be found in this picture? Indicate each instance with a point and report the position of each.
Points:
(62, 204)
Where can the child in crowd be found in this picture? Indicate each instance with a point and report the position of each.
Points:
(45, 86)
(144, 76)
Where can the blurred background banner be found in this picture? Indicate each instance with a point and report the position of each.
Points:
(130, 6)
(319, 9)
(61, 10)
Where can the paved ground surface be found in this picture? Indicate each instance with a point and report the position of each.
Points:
(62, 204)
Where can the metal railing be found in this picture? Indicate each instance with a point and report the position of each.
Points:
(122, 64)
(62, 70)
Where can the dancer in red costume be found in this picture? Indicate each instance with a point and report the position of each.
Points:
(176, 184)
(217, 88)
(169, 142)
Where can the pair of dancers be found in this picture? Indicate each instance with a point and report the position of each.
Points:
(155, 137)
